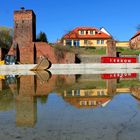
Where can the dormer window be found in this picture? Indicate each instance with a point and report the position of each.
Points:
(82, 32)
(92, 32)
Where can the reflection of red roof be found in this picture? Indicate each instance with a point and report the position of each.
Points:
(74, 34)
(138, 33)
(75, 101)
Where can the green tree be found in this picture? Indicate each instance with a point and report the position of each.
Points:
(6, 37)
(42, 37)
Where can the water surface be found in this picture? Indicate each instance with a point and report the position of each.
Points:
(70, 107)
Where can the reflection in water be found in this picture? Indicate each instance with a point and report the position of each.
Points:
(80, 91)
(26, 110)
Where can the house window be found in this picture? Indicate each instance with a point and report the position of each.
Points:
(86, 32)
(91, 32)
(85, 42)
(76, 43)
(98, 42)
(102, 42)
(102, 92)
(98, 93)
(68, 42)
(82, 32)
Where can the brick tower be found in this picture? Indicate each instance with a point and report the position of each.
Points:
(24, 27)
(24, 36)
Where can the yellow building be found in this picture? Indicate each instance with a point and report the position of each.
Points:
(86, 37)
(122, 44)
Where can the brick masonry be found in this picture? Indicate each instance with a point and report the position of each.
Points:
(111, 48)
(24, 27)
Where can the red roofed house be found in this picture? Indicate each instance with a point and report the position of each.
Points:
(135, 41)
(86, 37)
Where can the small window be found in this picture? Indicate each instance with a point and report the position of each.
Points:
(85, 41)
(68, 42)
(103, 93)
(76, 43)
(102, 41)
(16, 25)
(91, 32)
(98, 42)
(82, 32)
(98, 93)
(86, 32)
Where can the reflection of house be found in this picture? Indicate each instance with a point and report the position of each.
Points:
(88, 102)
(86, 37)
(89, 98)
(86, 92)
(135, 41)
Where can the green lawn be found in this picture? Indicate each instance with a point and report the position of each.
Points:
(128, 51)
(128, 83)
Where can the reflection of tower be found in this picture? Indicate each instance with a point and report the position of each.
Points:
(26, 111)
(26, 103)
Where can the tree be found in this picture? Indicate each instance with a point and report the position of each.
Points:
(42, 37)
(6, 37)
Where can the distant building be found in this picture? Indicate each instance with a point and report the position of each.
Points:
(135, 41)
(122, 44)
(86, 37)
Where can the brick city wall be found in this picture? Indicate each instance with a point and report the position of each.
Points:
(45, 50)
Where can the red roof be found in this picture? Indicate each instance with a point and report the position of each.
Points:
(74, 34)
(138, 33)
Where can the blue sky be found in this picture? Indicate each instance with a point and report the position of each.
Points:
(57, 17)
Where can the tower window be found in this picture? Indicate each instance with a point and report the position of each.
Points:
(16, 25)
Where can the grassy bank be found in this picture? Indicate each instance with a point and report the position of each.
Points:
(80, 50)
(128, 51)
(92, 50)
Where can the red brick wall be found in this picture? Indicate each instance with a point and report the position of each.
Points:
(45, 50)
(40, 50)
(27, 55)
